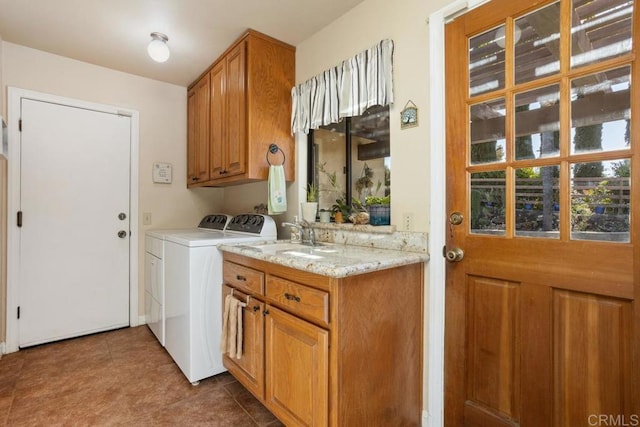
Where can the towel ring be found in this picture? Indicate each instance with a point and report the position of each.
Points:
(273, 149)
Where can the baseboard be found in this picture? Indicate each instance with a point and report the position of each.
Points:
(2, 349)
(141, 321)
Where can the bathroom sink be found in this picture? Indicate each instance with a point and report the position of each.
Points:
(318, 251)
(298, 254)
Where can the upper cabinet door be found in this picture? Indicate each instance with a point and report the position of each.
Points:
(218, 118)
(236, 145)
(198, 132)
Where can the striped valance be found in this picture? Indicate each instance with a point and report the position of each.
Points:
(345, 90)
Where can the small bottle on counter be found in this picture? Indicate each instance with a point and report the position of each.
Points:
(296, 234)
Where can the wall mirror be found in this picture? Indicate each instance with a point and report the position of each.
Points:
(351, 160)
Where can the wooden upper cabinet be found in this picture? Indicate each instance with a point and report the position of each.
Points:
(249, 109)
(198, 132)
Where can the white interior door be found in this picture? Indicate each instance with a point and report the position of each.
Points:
(74, 183)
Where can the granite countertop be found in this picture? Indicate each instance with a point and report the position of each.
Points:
(327, 259)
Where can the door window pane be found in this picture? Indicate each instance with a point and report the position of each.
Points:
(600, 111)
(488, 132)
(600, 200)
(487, 203)
(486, 62)
(537, 44)
(538, 202)
(538, 123)
(601, 29)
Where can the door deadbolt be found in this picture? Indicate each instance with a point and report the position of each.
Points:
(122, 216)
(456, 218)
(122, 234)
(454, 255)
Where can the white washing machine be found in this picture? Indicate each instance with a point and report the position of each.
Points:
(193, 292)
(154, 300)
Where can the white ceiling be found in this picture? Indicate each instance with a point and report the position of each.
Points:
(115, 33)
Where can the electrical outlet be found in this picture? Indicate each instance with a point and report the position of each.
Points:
(407, 221)
(146, 218)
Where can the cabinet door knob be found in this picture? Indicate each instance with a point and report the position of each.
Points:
(264, 313)
(256, 308)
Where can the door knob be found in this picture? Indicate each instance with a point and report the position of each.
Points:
(122, 216)
(122, 234)
(454, 255)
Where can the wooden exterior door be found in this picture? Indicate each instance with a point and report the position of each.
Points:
(543, 133)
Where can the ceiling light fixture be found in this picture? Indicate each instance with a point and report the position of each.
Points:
(158, 49)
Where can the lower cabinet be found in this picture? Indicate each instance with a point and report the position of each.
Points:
(249, 369)
(297, 369)
(322, 351)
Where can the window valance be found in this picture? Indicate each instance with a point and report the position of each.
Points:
(345, 90)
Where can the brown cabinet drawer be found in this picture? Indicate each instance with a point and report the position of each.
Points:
(310, 303)
(243, 278)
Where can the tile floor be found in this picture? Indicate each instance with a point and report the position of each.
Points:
(117, 378)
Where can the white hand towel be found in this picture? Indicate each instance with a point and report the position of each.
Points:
(277, 197)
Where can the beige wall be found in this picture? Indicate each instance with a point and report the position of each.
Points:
(162, 109)
(162, 113)
(405, 22)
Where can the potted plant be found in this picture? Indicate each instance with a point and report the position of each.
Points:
(324, 215)
(599, 197)
(341, 210)
(310, 207)
(379, 210)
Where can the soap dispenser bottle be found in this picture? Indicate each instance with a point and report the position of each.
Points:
(296, 236)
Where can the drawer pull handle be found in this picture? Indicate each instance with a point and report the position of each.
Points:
(291, 297)
(241, 278)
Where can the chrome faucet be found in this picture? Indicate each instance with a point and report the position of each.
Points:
(302, 226)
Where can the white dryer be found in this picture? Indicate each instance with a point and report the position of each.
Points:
(193, 292)
(154, 300)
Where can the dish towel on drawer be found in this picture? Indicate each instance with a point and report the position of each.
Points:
(231, 342)
(277, 197)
